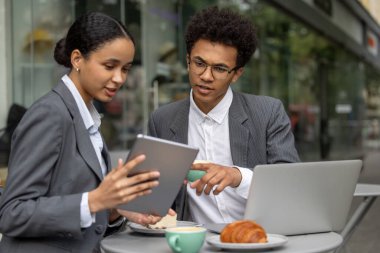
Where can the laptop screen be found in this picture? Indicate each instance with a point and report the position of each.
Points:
(302, 198)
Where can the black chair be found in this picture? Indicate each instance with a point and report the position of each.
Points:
(15, 114)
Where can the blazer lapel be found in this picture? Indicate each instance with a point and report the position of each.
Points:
(239, 134)
(106, 156)
(180, 123)
(179, 129)
(85, 146)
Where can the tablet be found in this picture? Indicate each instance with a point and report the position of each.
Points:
(173, 160)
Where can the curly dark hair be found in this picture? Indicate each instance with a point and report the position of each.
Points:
(223, 26)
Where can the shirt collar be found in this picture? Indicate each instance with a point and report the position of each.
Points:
(218, 113)
(90, 115)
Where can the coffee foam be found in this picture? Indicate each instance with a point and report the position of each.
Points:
(186, 229)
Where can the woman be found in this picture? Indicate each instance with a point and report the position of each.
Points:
(61, 194)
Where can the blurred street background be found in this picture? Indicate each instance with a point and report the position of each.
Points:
(319, 57)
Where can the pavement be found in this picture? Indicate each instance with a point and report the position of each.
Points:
(366, 237)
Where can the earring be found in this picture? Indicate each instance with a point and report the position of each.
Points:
(77, 69)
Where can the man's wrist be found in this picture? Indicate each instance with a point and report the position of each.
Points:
(238, 177)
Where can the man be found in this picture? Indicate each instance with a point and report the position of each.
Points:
(233, 131)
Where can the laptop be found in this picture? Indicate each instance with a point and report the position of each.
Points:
(302, 198)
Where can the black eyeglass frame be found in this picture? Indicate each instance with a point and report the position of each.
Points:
(228, 71)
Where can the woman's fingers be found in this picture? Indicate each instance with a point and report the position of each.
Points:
(140, 181)
(135, 189)
(129, 192)
(119, 163)
(129, 197)
(140, 218)
(117, 189)
(122, 170)
(142, 177)
(171, 212)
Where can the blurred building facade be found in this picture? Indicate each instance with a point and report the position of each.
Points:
(373, 7)
(320, 57)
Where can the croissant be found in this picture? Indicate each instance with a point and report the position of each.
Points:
(243, 231)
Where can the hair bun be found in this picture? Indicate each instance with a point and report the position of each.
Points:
(60, 54)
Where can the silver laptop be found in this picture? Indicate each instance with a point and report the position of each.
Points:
(302, 198)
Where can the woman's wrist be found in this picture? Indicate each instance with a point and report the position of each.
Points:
(115, 219)
(117, 222)
(94, 208)
(114, 215)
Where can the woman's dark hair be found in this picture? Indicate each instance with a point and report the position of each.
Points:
(87, 34)
(223, 26)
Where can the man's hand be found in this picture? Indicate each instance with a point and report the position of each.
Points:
(217, 175)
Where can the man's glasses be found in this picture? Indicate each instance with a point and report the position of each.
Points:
(198, 67)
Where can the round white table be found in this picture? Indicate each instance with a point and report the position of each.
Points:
(369, 193)
(132, 242)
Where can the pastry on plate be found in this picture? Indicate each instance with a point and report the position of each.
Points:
(243, 231)
(166, 222)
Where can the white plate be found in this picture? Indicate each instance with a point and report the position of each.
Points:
(273, 242)
(142, 229)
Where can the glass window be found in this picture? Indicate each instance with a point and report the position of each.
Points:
(36, 26)
(331, 96)
(319, 83)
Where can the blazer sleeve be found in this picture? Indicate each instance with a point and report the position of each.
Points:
(27, 208)
(280, 139)
(151, 126)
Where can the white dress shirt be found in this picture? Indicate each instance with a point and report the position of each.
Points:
(91, 119)
(210, 133)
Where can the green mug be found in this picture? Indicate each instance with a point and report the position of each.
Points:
(185, 239)
(193, 175)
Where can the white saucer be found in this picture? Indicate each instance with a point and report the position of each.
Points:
(273, 242)
(142, 229)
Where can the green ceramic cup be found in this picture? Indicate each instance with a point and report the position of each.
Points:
(193, 175)
(185, 239)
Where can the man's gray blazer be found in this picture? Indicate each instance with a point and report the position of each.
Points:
(52, 163)
(260, 133)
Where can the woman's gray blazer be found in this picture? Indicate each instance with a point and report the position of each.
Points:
(52, 163)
